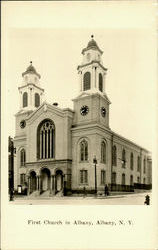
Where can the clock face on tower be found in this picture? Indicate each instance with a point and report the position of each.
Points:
(103, 111)
(22, 124)
(84, 110)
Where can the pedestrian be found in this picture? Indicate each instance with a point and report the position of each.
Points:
(106, 190)
(11, 194)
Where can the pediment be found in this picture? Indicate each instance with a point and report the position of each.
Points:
(44, 109)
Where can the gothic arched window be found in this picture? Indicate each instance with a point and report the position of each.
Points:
(25, 100)
(86, 81)
(100, 82)
(123, 179)
(83, 150)
(46, 140)
(22, 157)
(103, 152)
(114, 156)
(131, 161)
(37, 100)
(123, 158)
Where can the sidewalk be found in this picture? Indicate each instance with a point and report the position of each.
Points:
(75, 197)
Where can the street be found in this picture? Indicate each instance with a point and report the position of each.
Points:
(123, 199)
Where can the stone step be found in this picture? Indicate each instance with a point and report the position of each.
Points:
(45, 193)
(34, 194)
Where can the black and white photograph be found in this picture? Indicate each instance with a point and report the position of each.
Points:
(78, 105)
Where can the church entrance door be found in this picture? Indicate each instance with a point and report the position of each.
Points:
(32, 181)
(45, 177)
(59, 181)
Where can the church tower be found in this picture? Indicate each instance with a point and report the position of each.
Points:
(31, 93)
(92, 104)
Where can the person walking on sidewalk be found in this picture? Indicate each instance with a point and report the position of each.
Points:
(106, 190)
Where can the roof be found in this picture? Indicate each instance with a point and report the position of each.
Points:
(92, 45)
(31, 70)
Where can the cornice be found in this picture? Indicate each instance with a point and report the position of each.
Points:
(52, 161)
(89, 95)
(87, 64)
(32, 84)
(120, 137)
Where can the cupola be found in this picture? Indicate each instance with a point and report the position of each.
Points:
(31, 94)
(91, 71)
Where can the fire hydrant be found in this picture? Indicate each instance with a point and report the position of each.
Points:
(147, 200)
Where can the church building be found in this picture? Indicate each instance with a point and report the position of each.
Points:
(64, 151)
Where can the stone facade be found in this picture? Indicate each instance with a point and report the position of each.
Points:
(56, 148)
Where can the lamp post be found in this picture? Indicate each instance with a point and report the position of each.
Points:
(95, 164)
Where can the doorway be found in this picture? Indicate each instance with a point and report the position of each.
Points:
(32, 181)
(45, 179)
(59, 181)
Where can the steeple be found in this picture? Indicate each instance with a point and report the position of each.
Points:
(91, 71)
(30, 91)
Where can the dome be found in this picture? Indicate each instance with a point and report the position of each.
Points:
(31, 70)
(92, 45)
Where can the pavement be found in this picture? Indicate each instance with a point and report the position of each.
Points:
(112, 199)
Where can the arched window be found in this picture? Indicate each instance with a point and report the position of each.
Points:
(123, 158)
(131, 180)
(138, 163)
(83, 150)
(37, 100)
(144, 166)
(103, 152)
(100, 82)
(86, 81)
(25, 100)
(46, 140)
(123, 179)
(114, 156)
(22, 157)
(131, 161)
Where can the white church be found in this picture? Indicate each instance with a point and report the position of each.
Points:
(64, 151)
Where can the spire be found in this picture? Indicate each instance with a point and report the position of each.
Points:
(31, 70)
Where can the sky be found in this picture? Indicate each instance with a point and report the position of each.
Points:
(52, 36)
